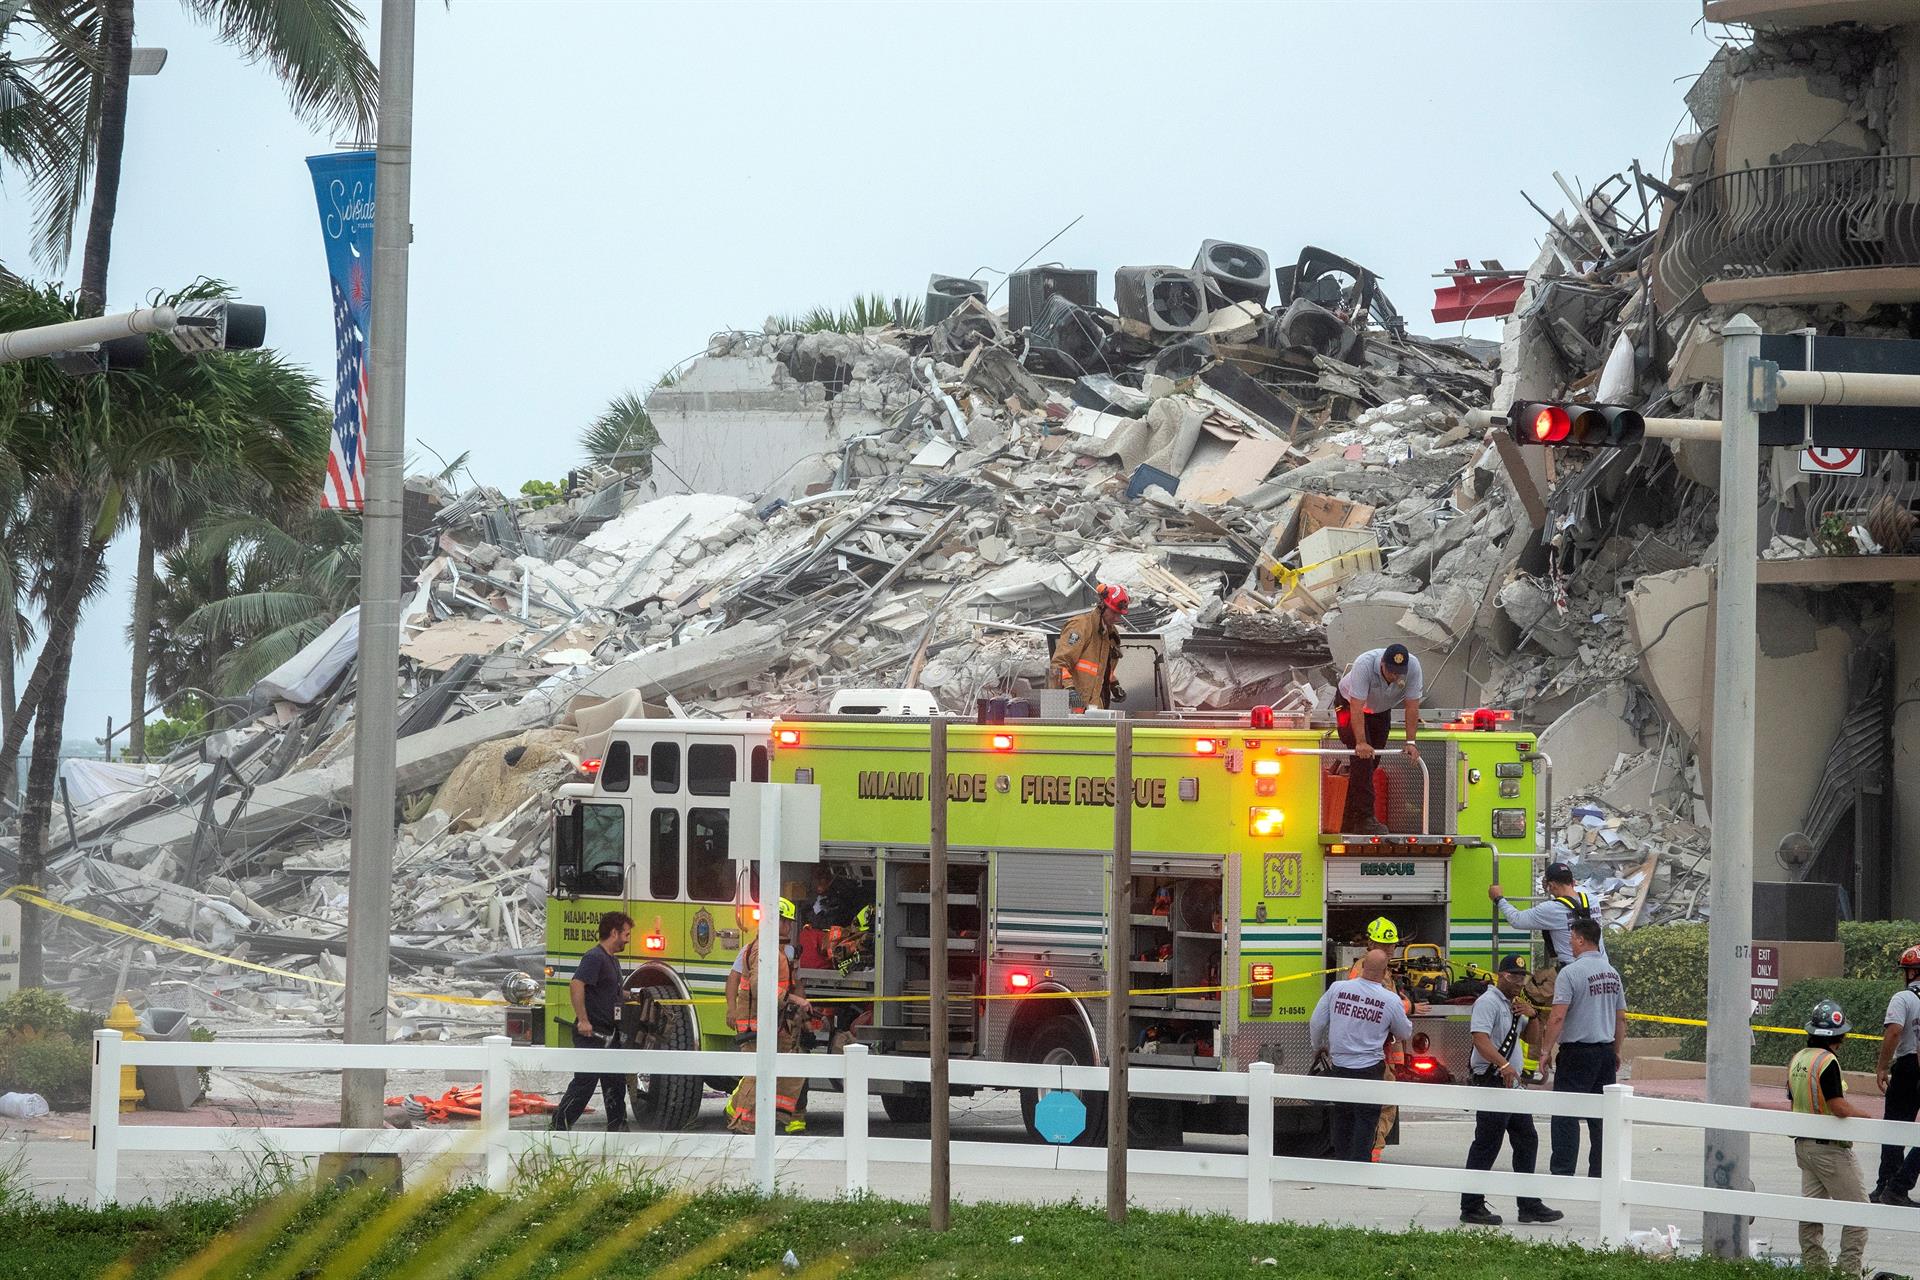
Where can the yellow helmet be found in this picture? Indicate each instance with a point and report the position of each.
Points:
(1381, 930)
(786, 909)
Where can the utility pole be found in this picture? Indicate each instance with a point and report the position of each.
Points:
(940, 1126)
(1730, 929)
(370, 882)
(1119, 969)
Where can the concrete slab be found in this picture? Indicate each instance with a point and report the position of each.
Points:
(1587, 741)
(1667, 622)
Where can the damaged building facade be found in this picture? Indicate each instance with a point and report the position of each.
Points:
(1261, 450)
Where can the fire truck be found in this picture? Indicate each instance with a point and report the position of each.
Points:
(1245, 901)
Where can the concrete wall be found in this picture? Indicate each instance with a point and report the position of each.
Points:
(1802, 700)
(1906, 754)
(735, 424)
(1766, 114)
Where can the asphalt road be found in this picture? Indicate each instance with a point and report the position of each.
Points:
(54, 1158)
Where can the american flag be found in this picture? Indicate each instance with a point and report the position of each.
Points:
(347, 460)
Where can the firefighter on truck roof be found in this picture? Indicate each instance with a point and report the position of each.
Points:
(1089, 649)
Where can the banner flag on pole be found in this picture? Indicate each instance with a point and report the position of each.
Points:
(343, 182)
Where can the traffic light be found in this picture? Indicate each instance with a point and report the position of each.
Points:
(201, 327)
(1593, 426)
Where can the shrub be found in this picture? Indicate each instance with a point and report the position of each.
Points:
(47, 1012)
(1664, 969)
(1873, 947)
(202, 1035)
(1864, 999)
(51, 1065)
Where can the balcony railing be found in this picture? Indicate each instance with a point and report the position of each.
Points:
(1792, 219)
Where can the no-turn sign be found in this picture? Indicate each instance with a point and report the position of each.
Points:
(1834, 462)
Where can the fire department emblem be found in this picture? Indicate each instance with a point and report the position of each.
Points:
(702, 932)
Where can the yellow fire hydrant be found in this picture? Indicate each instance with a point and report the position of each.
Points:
(122, 1018)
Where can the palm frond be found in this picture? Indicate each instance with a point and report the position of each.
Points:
(315, 50)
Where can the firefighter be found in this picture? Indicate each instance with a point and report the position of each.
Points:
(595, 990)
(1353, 1023)
(1552, 918)
(743, 1015)
(1089, 648)
(1383, 936)
(1899, 1076)
(1376, 681)
(1585, 1032)
(1815, 1086)
(1501, 1021)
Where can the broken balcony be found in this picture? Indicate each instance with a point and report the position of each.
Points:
(1795, 234)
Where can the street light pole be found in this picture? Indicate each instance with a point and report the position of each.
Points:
(1730, 927)
(369, 888)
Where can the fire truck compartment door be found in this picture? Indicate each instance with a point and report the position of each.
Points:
(1386, 879)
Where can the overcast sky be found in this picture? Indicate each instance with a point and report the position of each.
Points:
(598, 187)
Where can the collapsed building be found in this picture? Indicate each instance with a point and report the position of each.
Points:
(1267, 456)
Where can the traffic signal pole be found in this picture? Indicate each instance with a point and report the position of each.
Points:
(1730, 892)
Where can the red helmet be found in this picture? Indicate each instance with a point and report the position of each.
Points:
(1910, 958)
(1115, 598)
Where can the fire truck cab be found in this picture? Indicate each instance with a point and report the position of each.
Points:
(1245, 902)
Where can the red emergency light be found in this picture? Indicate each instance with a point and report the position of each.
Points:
(1266, 768)
(1260, 718)
(1205, 746)
(590, 767)
(1019, 980)
(787, 737)
(656, 942)
(1002, 742)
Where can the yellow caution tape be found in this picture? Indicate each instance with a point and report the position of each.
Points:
(1290, 578)
(1701, 1022)
(968, 997)
(34, 898)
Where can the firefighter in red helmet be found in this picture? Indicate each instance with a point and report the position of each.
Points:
(1089, 649)
(1899, 1078)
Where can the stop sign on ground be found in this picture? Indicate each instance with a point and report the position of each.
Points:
(1834, 462)
(1060, 1117)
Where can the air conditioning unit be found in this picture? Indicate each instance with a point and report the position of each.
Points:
(1165, 299)
(1238, 271)
(946, 293)
(1064, 340)
(1028, 291)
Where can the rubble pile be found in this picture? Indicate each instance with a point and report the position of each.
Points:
(1278, 484)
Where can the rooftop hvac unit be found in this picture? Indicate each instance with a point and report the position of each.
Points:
(1238, 271)
(1064, 340)
(946, 293)
(1165, 299)
(1028, 291)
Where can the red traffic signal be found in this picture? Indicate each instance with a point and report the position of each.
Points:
(1592, 426)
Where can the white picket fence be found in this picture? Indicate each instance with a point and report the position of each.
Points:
(496, 1060)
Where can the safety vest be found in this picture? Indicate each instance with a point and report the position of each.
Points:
(746, 1010)
(1803, 1081)
(1579, 907)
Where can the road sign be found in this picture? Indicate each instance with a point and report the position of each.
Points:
(1766, 977)
(1834, 462)
(1060, 1117)
(1850, 426)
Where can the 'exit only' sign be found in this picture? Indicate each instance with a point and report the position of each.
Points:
(1766, 977)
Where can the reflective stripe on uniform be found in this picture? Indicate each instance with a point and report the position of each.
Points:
(1091, 668)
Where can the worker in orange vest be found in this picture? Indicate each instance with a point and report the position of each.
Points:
(743, 1015)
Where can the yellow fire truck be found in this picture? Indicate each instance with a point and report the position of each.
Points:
(1244, 901)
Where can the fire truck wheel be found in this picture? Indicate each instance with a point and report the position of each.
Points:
(1063, 1042)
(665, 1102)
(1302, 1132)
(907, 1108)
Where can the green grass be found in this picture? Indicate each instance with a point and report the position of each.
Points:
(586, 1226)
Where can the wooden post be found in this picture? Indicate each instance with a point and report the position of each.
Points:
(1119, 970)
(940, 1210)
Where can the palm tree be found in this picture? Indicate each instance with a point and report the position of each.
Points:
(250, 591)
(282, 432)
(623, 436)
(313, 47)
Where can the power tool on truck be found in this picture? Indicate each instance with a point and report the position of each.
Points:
(1245, 902)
